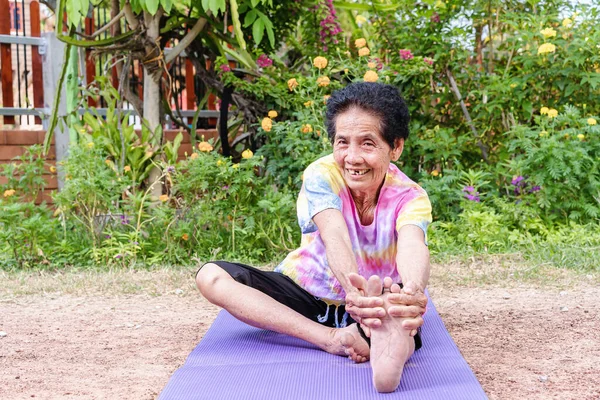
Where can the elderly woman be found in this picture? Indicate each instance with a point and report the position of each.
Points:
(363, 256)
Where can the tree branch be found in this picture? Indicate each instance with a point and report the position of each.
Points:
(454, 88)
(110, 23)
(186, 40)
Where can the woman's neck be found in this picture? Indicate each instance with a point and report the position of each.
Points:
(365, 203)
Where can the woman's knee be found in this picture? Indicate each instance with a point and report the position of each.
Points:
(209, 276)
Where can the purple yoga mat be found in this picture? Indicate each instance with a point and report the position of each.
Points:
(238, 362)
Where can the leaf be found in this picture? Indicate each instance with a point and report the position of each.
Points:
(258, 30)
(73, 12)
(167, 5)
(249, 18)
(152, 6)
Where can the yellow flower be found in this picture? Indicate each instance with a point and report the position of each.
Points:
(567, 22)
(552, 113)
(371, 76)
(513, 85)
(9, 192)
(185, 236)
(323, 81)
(266, 124)
(108, 162)
(308, 103)
(544, 110)
(325, 98)
(320, 62)
(292, 84)
(307, 128)
(149, 154)
(359, 43)
(581, 136)
(205, 147)
(90, 145)
(246, 154)
(546, 48)
(272, 114)
(364, 52)
(127, 168)
(566, 136)
(164, 197)
(548, 33)
(435, 172)
(219, 163)
(236, 166)
(543, 133)
(371, 65)
(53, 169)
(360, 20)
(591, 121)
(194, 156)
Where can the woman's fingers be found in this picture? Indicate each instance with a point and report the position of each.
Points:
(412, 323)
(418, 299)
(405, 311)
(364, 312)
(370, 323)
(358, 282)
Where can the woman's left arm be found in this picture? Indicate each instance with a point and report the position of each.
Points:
(412, 260)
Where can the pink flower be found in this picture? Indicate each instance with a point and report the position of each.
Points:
(225, 68)
(435, 18)
(406, 54)
(428, 60)
(263, 61)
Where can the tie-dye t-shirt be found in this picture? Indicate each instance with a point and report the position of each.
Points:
(401, 202)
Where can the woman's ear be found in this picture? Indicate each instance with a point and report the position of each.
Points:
(397, 150)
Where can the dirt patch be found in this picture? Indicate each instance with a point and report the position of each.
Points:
(86, 338)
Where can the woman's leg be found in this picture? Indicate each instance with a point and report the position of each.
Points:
(262, 311)
(391, 344)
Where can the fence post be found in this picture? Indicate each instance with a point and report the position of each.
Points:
(6, 60)
(52, 61)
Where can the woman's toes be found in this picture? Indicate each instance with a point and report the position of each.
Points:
(374, 286)
(395, 288)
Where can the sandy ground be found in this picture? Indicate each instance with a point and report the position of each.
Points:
(121, 335)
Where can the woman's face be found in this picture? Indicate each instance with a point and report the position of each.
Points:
(361, 152)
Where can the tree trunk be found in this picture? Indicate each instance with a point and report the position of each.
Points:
(152, 96)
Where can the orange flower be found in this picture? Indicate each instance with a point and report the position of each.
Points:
(306, 128)
(53, 169)
(164, 197)
(194, 156)
(9, 192)
(127, 168)
(359, 43)
(267, 124)
(185, 236)
(364, 52)
(205, 147)
(325, 98)
(320, 62)
(323, 81)
(272, 114)
(292, 84)
(371, 65)
(371, 76)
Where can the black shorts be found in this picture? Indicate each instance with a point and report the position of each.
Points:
(284, 290)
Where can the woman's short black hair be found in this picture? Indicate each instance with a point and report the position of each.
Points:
(384, 101)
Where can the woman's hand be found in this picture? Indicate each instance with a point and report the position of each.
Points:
(364, 309)
(410, 304)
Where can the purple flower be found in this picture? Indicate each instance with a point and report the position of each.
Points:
(263, 61)
(124, 219)
(170, 169)
(225, 187)
(469, 189)
(406, 54)
(119, 256)
(473, 197)
(225, 68)
(435, 18)
(535, 189)
(517, 181)
(107, 236)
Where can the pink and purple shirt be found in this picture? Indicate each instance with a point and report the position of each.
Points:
(401, 202)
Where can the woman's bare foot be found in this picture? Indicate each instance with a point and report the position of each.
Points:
(348, 342)
(391, 344)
